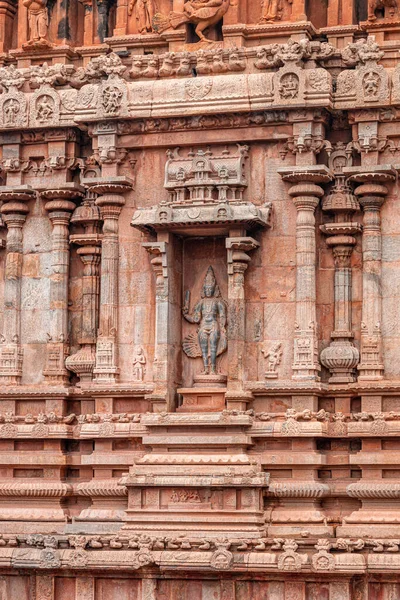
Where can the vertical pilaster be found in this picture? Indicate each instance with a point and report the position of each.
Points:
(149, 589)
(82, 363)
(45, 587)
(110, 201)
(59, 206)
(85, 588)
(341, 356)
(306, 193)
(168, 317)
(238, 261)
(14, 211)
(371, 192)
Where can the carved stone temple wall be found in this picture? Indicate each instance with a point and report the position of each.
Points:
(199, 300)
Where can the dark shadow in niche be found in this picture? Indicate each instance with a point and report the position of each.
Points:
(106, 10)
(361, 10)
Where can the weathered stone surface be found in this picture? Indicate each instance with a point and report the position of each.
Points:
(199, 300)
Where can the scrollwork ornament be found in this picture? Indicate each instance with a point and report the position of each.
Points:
(50, 559)
(323, 561)
(199, 88)
(221, 560)
(106, 429)
(289, 560)
(143, 558)
(78, 558)
(8, 431)
(40, 430)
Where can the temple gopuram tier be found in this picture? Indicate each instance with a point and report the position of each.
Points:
(199, 300)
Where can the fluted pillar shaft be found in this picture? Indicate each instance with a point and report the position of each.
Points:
(238, 261)
(59, 206)
(106, 368)
(110, 201)
(305, 194)
(371, 193)
(14, 211)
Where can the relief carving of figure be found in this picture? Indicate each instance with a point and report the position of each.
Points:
(144, 11)
(11, 109)
(38, 20)
(271, 11)
(210, 314)
(273, 355)
(138, 363)
(202, 13)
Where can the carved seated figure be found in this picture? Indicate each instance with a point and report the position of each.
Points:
(210, 314)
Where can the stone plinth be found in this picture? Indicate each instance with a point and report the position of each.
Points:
(202, 399)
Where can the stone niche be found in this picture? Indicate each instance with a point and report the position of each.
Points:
(199, 254)
(199, 237)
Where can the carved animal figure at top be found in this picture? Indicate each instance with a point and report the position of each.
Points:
(202, 13)
(389, 7)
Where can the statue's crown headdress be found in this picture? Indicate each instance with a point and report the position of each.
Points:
(209, 279)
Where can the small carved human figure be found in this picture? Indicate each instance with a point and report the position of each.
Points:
(138, 363)
(210, 314)
(44, 109)
(270, 11)
(202, 13)
(144, 11)
(11, 109)
(273, 355)
(38, 20)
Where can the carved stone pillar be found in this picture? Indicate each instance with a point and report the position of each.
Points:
(371, 192)
(341, 356)
(110, 201)
(59, 206)
(167, 342)
(14, 211)
(238, 261)
(305, 193)
(82, 363)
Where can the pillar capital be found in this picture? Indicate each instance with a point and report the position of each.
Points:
(108, 186)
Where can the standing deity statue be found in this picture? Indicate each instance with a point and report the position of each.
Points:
(38, 20)
(144, 12)
(210, 314)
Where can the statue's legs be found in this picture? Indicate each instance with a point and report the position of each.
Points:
(214, 339)
(199, 31)
(203, 341)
